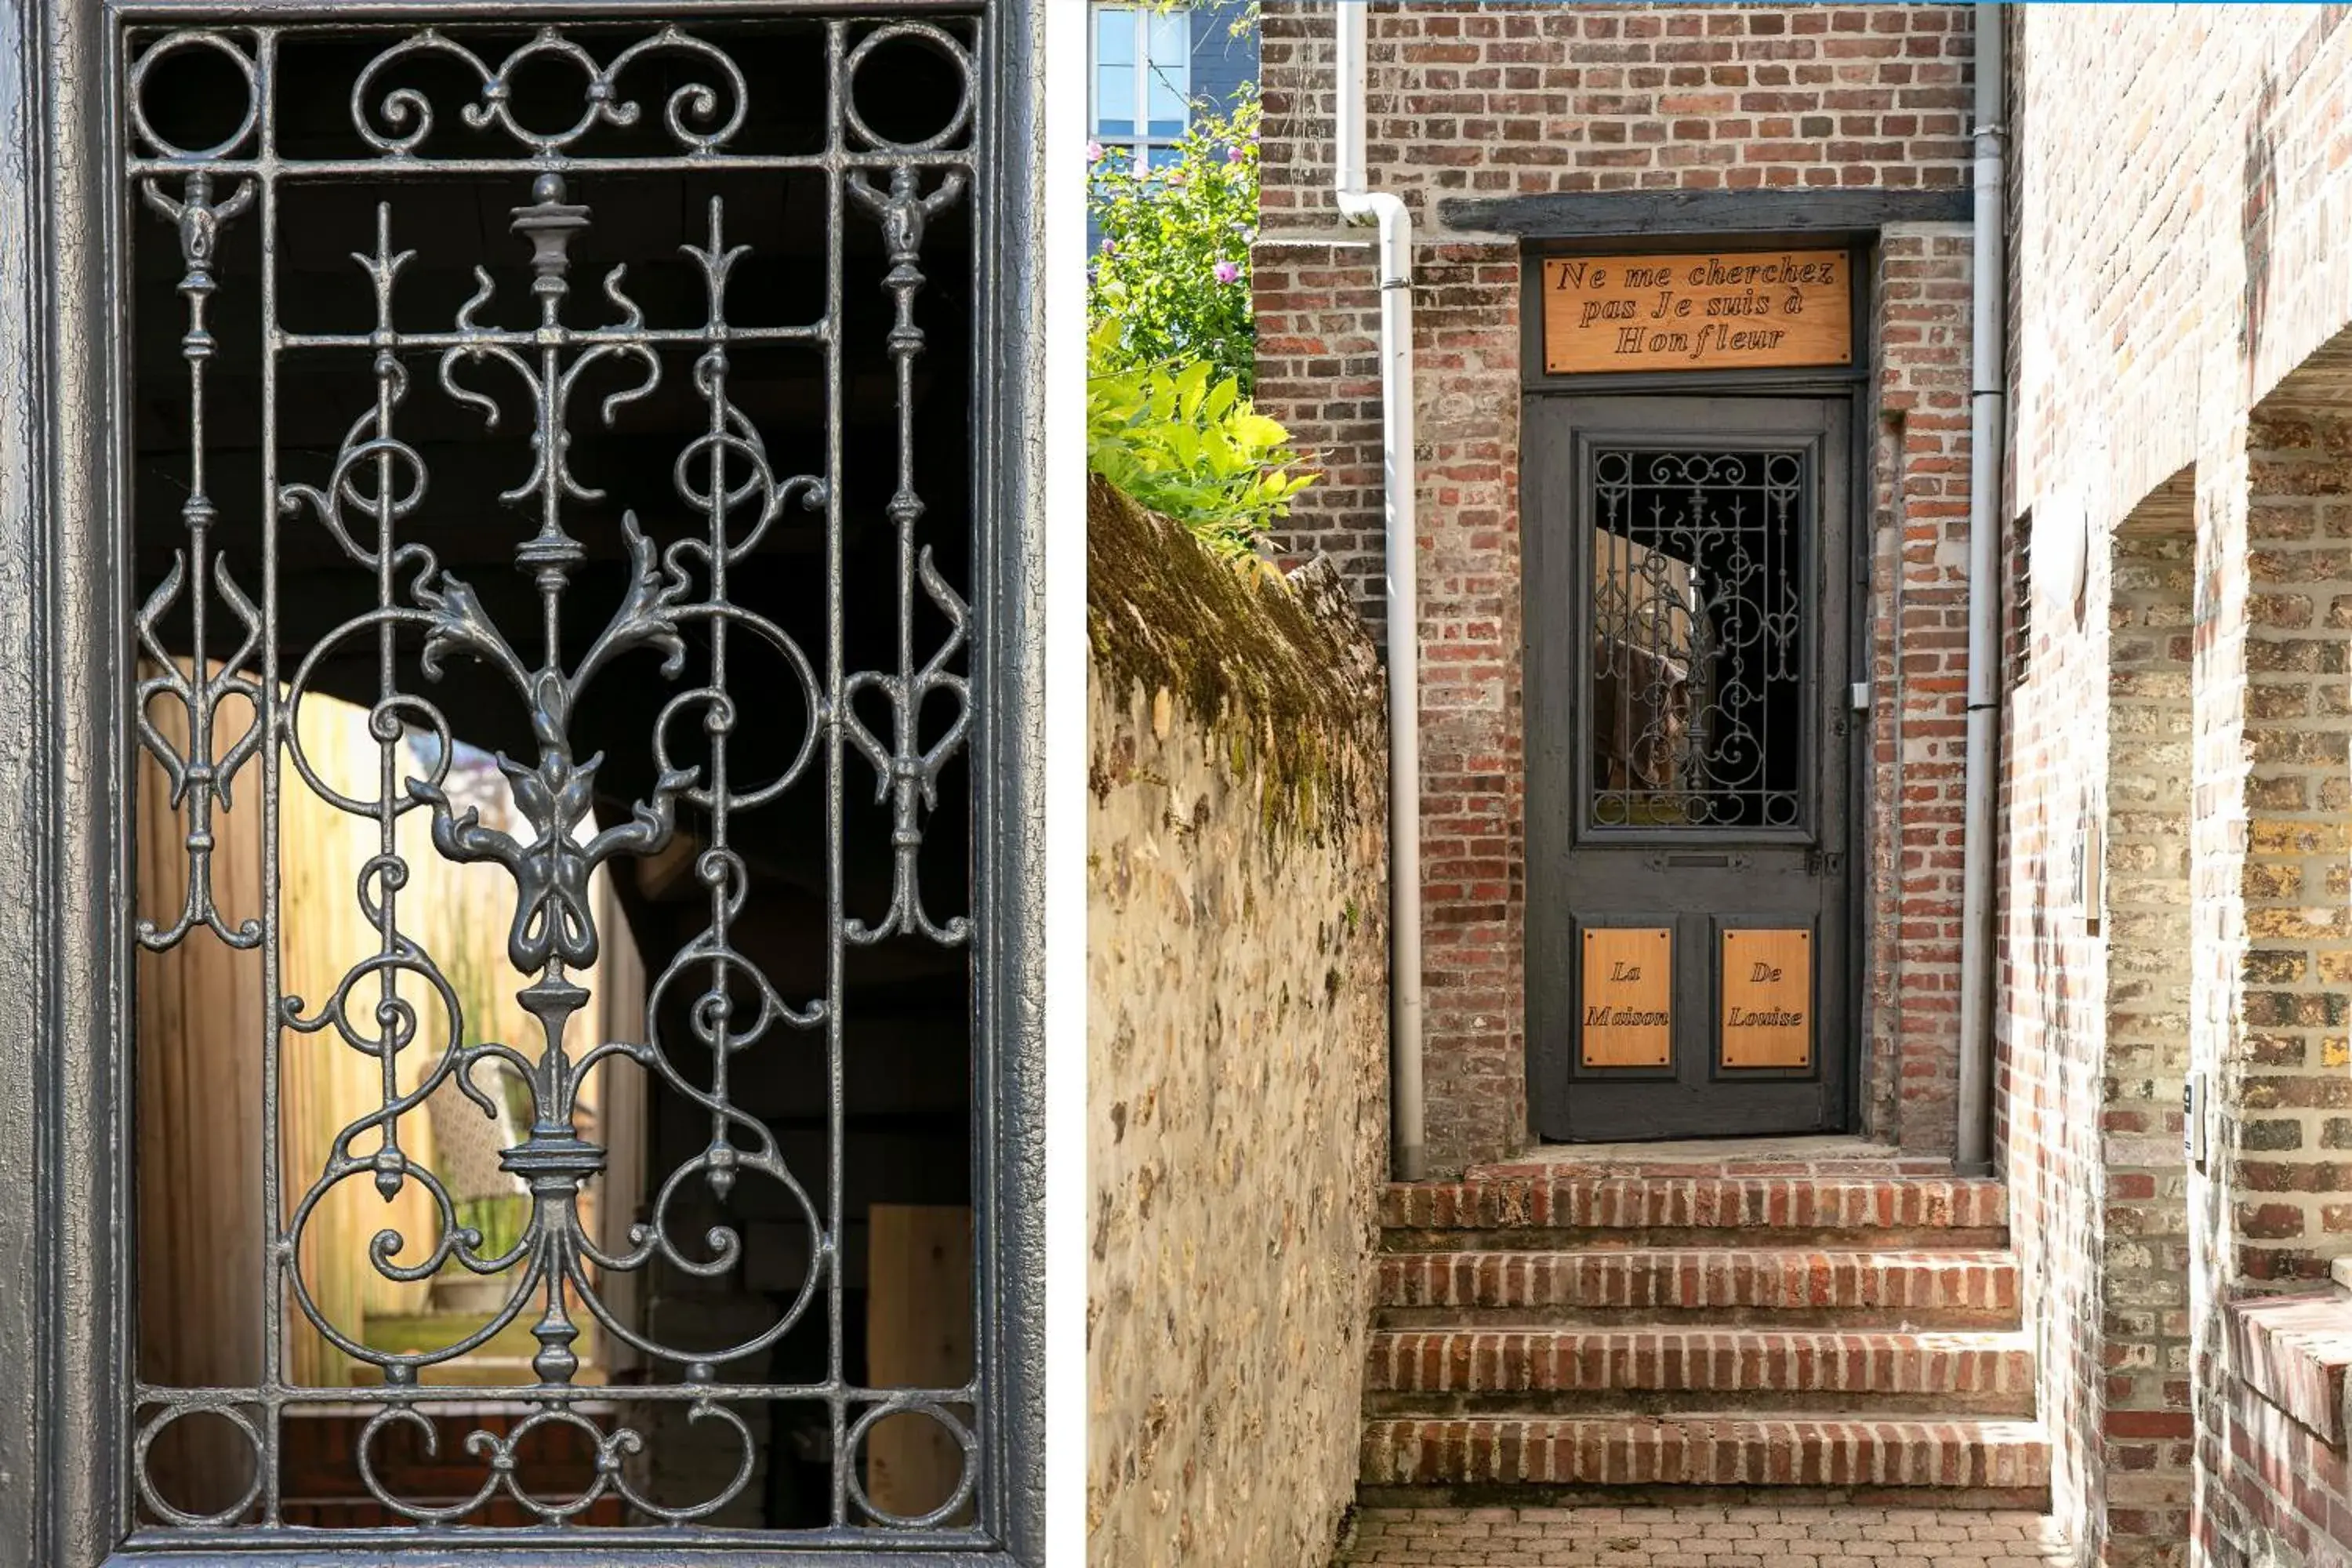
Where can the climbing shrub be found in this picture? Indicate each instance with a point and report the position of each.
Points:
(1183, 441)
(1171, 350)
(1170, 273)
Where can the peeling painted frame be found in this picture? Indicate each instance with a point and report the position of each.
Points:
(65, 1247)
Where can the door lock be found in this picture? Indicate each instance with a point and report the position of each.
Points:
(1825, 862)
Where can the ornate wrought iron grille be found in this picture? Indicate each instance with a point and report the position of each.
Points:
(1695, 716)
(615, 513)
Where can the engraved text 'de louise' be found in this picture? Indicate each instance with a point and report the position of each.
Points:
(1767, 983)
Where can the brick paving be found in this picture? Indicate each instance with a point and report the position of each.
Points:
(1727, 1537)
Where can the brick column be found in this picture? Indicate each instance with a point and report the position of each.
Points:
(2292, 1211)
(2142, 1326)
(1918, 609)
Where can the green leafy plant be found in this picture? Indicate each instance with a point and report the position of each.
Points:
(1183, 440)
(1172, 354)
(1171, 270)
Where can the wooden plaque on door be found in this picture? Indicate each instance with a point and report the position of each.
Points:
(1767, 980)
(1628, 997)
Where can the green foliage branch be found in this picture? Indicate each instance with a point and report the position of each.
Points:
(1183, 441)
(1172, 345)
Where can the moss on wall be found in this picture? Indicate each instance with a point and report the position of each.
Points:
(1237, 1138)
(1236, 1049)
(1276, 672)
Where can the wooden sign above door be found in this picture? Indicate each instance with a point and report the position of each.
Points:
(1711, 310)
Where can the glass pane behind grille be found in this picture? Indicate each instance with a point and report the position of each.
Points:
(553, 524)
(1694, 715)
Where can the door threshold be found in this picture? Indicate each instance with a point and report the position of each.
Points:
(1846, 1155)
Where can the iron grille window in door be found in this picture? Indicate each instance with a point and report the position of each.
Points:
(1695, 710)
(555, 519)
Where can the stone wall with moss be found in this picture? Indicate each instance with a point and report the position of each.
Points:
(1236, 955)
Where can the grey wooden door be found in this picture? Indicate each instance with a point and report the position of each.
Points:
(1687, 583)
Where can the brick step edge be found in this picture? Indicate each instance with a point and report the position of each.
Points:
(1748, 1204)
(1704, 1450)
(1472, 1361)
(1578, 1239)
(2034, 1499)
(1701, 1278)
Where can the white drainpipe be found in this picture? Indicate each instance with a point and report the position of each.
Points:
(1974, 1151)
(1359, 204)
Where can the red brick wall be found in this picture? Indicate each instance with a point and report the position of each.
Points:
(2095, 997)
(2181, 184)
(1503, 99)
(1518, 98)
(2279, 1489)
(1919, 683)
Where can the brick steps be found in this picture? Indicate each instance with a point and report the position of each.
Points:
(1857, 1288)
(1706, 1450)
(1792, 1333)
(1560, 1371)
(1561, 1211)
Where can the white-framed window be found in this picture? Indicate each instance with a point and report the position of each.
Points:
(1141, 85)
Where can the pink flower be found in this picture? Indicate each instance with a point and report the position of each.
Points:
(1234, 154)
(1109, 247)
(1175, 176)
(1227, 272)
(1094, 152)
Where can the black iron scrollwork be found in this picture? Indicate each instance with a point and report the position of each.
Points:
(907, 770)
(1696, 627)
(397, 1003)
(202, 774)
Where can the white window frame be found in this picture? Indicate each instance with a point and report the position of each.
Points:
(1176, 74)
